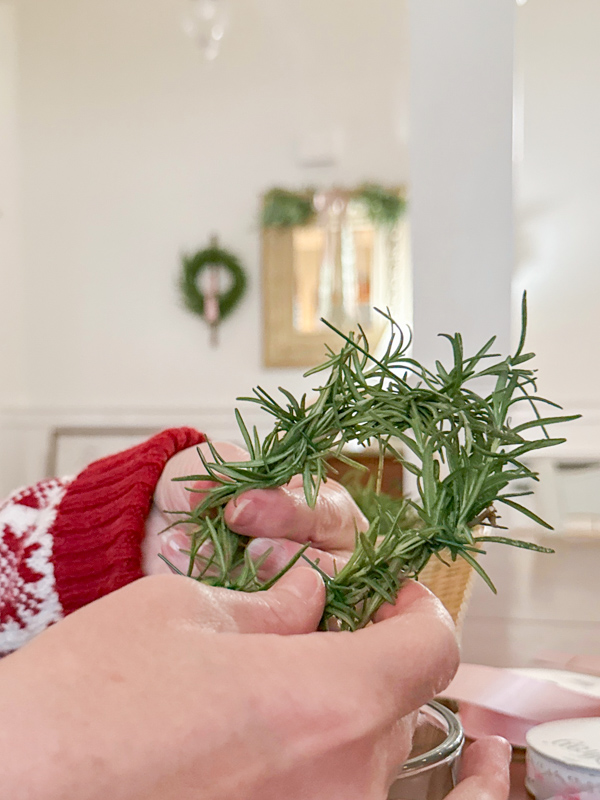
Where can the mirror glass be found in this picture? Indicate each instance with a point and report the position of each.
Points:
(339, 263)
(333, 254)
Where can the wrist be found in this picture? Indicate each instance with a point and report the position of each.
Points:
(32, 740)
(101, 522)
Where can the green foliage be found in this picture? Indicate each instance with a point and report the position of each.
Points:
(374, 503)
(383, 207)
(193, 266)
(460, 446)
(285, 209)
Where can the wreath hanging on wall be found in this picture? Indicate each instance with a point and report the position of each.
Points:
(212, 306)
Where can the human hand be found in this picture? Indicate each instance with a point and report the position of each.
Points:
(484, 771)
(169, 689)
(278, 519)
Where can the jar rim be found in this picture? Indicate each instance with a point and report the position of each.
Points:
(445, 751)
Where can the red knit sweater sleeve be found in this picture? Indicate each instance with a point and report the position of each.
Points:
(65, 543)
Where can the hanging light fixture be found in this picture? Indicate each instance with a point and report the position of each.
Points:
(205, 22)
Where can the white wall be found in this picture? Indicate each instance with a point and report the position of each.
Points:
(134, 150)
(558, 201)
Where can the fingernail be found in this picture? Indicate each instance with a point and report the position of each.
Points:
(279, 555)
(239, 513)
(303, 583)
(198, 491)
(505, 746)
(177, 543)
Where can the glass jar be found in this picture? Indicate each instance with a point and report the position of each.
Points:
(430, 772)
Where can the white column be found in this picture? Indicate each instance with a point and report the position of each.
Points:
(461, 197)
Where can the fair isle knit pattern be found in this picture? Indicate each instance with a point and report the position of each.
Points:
(66, 543)
(28, 599)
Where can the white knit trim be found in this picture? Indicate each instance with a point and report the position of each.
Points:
(30, 605)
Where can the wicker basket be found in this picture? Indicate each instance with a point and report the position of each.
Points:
(451, 584)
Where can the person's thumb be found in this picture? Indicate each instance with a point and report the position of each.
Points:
(292, 605)
(172, 494)
(295, 602)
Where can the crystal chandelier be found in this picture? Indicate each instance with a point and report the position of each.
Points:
(205, 22)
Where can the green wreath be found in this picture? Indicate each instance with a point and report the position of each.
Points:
(194, 265)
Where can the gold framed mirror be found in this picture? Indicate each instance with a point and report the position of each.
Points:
(334, 254)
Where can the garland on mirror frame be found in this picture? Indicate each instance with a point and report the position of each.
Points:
(283, 208)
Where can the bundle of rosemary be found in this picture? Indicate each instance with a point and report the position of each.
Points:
(459, 445)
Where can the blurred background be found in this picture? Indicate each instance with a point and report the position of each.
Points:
(131, 132)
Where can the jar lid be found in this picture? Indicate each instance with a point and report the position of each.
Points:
(573, 742)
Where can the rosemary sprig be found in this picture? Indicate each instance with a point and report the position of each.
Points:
(460, 446)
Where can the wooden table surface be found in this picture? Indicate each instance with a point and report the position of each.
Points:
(517, 781)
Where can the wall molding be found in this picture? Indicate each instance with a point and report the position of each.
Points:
(27, 435)
(35, 438)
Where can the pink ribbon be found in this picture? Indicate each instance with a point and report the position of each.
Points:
(498, 701)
